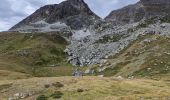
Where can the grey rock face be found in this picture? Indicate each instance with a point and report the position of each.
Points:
(156, 7)
(144, 9)
(129, 14)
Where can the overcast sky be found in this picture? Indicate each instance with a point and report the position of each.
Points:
(13, 11)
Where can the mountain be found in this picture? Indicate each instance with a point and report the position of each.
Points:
(124, 57)
(129, 14)
(144, 9)
(92, 40)
(74, 13)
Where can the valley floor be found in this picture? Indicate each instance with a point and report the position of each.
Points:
(84, 88)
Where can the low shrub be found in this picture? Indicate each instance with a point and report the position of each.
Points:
(80, 90)
(58, 85)
(56, 95)
(47, 85)
(42, 97)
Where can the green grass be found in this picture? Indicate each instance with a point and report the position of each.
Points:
(108, 89)
(87, 88)
(165, 19)
(113, 70)
(141, 58)
(159, 64)
(37, 54)
(107, 38)
(41, 55)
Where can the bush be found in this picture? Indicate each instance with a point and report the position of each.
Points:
(42, 97)
(80, 90)
(165, 19)
(47, 85)
(108, 38)
(58, 85)
(56, 95)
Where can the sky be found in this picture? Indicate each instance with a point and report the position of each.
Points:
(13, 11)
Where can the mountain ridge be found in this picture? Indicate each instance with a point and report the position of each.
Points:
(80, 11)
(59, 12)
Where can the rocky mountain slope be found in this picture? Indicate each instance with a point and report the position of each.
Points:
(106, 38)
(73, 13)
(146, 57)
(141, 10)
(129, 14)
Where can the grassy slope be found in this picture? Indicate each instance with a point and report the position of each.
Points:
(28, 55)
(142, 59)
(25, 55)
(96, 89)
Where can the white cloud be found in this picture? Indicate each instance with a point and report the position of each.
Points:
(53, 1)
(104, 7)
(19, 9)
(6, 23)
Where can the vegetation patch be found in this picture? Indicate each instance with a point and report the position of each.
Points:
(80, 90)
(165, 19)
(144, 24)
(111, 71)
(34, 54)
(47, 85)
(5, 86)
(56, 95)
(58, 85)
(108, 38)
(42, 97)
